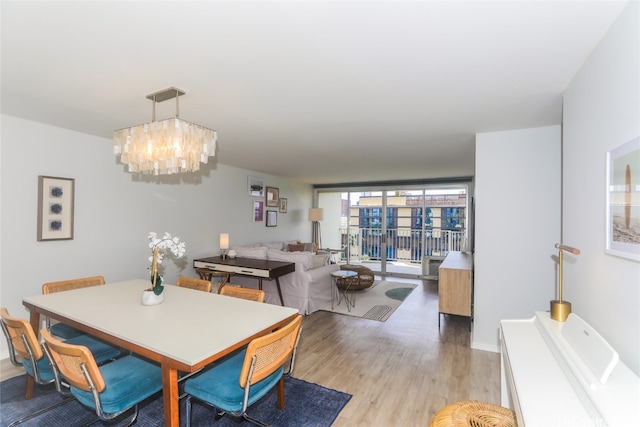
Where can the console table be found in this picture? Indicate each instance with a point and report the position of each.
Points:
(258, 268)
(455, 288)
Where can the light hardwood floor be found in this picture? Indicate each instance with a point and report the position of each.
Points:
(399, 372)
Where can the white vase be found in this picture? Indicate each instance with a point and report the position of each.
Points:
(150, 298)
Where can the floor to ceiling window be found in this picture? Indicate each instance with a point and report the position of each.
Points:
(397, 230)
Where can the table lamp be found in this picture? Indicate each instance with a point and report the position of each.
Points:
(224, 245)
(560, 309)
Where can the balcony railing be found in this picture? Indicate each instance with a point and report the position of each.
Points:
(402, 244)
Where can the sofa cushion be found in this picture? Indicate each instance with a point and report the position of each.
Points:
(257, 252)
(304, 259)
(320, 260)
(298, 247)
(275, 245)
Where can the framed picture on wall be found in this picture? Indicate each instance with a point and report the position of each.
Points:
(283, 205)
(55, 208)
(258, 210)
(273, 195)
(623, 201)
(272, 218)
(256, 186)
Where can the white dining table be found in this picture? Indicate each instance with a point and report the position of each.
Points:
(187, 331)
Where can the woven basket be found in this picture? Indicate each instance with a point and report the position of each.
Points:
(471, 413)
(363, 280)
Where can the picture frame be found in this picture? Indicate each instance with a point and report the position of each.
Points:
(623, 201)
(255, 185)
(272, 218)
(272, 197)
(55, 208)
(282, 207)
(258, 210)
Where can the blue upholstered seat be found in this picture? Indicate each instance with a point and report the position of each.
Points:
(129, 381)
(65, 331)
(240, 380)
(220, 387)
(102, 352)
(110, 389)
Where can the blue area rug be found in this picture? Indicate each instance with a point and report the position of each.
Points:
(307, 404)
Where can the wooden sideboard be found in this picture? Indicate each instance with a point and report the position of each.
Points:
(455, 285)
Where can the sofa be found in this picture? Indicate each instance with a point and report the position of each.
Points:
(308, 288)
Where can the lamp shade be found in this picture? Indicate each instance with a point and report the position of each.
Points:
(224, 241)
(315, 214)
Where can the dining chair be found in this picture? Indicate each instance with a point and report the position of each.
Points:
(244, 293)
(193, 283)
(60, 329)
(239, 381)
(21, 336)
(110, 390)
(23, 344)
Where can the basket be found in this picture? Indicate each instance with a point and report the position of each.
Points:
(471, 413)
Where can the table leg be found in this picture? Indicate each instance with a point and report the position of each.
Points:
(170, 397)
(279, 291)
(35, 325)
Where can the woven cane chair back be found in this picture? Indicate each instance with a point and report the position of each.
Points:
(244, 293)
(193, 283)
(270, 352)
(68, 285)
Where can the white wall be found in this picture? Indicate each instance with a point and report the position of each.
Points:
(602, 112)
(114, 212)
(517, 223)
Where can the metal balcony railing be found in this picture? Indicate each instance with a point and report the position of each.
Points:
(402, 244)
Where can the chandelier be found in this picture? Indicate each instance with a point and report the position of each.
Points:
(166, 146)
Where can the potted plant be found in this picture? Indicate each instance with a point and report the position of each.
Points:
(154, 295)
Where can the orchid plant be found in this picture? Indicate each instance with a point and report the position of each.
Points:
(157, 245)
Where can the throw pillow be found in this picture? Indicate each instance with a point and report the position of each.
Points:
(296, 247)
(320, 260)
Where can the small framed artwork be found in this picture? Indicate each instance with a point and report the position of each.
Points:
(256, 186)
(258, 210)
(623, 201)
(272, 218)
(273, 195)
(283, 205)
(55, 208)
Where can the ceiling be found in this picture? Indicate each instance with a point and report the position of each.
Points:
(323, 92)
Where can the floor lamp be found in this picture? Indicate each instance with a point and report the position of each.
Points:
(315, 216)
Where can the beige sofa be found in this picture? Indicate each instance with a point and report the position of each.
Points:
(307, 289)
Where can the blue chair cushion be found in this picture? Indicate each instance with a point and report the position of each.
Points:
(220, 385)
(44, 368)
(129, 381)
(102, 352)
(65, 331)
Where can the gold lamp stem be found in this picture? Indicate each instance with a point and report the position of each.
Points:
(560, 310)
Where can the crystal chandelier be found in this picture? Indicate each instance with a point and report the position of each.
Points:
(167, 146)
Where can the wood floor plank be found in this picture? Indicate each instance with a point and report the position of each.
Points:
(402, 371)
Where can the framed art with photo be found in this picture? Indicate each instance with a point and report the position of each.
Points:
(283, 205)
(55, 208)
(258, 210)
(272, 218)
(273, 195)
(623, 201)
(256, 186)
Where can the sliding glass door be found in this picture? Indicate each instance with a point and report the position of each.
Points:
(395, 231)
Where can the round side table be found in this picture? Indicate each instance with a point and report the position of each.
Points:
(337, 291)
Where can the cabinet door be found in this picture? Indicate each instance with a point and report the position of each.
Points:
(454, 291)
